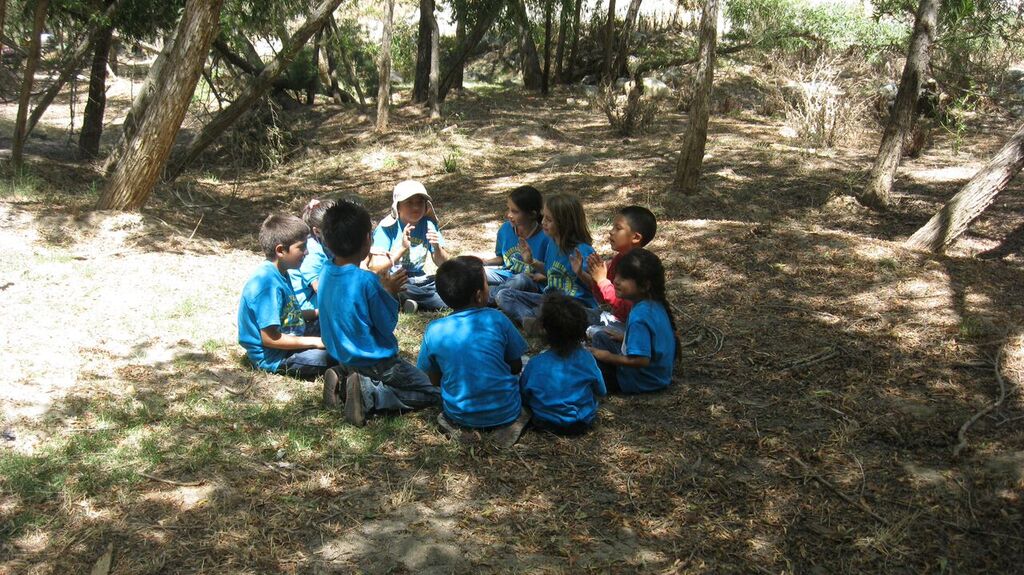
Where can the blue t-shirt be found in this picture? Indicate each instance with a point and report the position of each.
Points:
(357, 316)
(267, 300)
(558, 269)
(648, 334)
(563, 390)
(472, 349)
(302, 279)
(388, 237)
(507, 248)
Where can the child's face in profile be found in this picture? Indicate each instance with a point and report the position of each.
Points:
(622, 237)
(290, 257)
(627, 289)
(548, 223)
(519, 219)
(412, 210)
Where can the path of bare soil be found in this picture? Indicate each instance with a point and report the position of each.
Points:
(817, 437)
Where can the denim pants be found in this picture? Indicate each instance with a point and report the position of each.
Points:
(396, 385)
(602, 340)
(423, 291)
(519, 304)
(499, 282)
(307, 364)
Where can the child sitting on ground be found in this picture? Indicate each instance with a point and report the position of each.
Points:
(474, 355)
(358, 315)
(561, 385)
(306, 279)
(404, 238)
(521, 231)
(643, 361)
(271, 327)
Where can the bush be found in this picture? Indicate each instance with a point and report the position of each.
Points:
(819, 104)
(627, 115)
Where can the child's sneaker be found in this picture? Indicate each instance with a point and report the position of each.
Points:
(455, 432)
(506, 437)
(332, 387)
(354, 413)
(410, 306)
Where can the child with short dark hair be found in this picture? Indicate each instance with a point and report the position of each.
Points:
(474, 355)
(358, 315)
(562, 385)
(643, 361)
(271, 326)
(306, 279)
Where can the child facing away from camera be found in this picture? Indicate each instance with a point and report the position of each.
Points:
(562, 384)
(358, 315)
(633, 227)
(405, 238)
(306, 279)
(643, 361)
(271, 326)
(474, 355)
(521, 231)
(566, 223)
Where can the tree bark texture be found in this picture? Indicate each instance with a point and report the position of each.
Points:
(223, 120)
(433, 96)
(138, 171)
(563, 23)
(574, 49)
(609, 43)
(459, 68)
(528, 47)
(421, 82)
(969, 203)
(622, 57)
(92, 123)
(901, 120)
(20, 133)
(691, 159)
(484, 21)
(547, 48)
(314, 82)
(384, 67)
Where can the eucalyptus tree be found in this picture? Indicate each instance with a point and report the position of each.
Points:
(691, 160)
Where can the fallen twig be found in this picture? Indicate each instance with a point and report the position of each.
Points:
(962, 433)
(831, 487)
(171, 481)
(823, 355)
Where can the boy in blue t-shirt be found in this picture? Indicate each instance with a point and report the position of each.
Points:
(271, 327)
(358, 315)
(562, 384)
(306, 279)
(474, 354)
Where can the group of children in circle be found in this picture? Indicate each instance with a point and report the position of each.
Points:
(327, 300)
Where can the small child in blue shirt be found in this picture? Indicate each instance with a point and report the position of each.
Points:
(358, 315)
(306, 279)
(271, 326)
(521, 231)
(474, 354)
(562, 384)
(644, 360)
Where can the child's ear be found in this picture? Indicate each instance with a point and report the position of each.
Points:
(637, 239)
(280, 250)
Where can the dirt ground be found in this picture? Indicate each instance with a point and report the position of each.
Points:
(810, 429)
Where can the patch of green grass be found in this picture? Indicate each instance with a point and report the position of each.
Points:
(19, 184)
(975, 327)
(450, 162)
(889, 265)
(188, 308)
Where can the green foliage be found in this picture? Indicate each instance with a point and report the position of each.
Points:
(450, 162)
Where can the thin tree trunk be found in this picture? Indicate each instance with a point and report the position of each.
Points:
(483, 23)
(621, 59)
(421, 83)
(92, 123)
(901, 121)
(212, 130)
(314, 82)
(350, 73)
(547, 48)
(340, 96)
(979, 193)
(573, 51)
(433, 96)
(527, 48)
(691, 159)
(137, 172)
(384, 67)
(326, 67)
(609, 42)
(459, 71)
(20, 133)
(563, 23)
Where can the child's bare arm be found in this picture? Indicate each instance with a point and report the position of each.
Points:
(310, 315)
(623, 360)
(273, 338)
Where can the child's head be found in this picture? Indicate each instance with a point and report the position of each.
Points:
(346, 230)
(461, 282)
(640, 276)
(283, 237)
(410, 202)
(633, 227)
(565, 221)
(564, 321)
(313, 214)
(524, 207)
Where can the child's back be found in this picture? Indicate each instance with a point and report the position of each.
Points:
(357, 316)
(562, 390)
(649, 333)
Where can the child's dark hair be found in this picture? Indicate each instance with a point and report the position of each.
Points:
(640, 220)
(281, 230)
(345, 228)
(570, 221)
(529, 200)
(564, 321)
(458, 280)
(646, 269)
(313, 213)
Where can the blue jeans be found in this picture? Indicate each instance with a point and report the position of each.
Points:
(499, 280)
(602, 340)
(396, 385)
(519, 304)
(307, 364)
(423, 291)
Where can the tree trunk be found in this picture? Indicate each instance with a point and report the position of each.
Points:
(92, 124)
(484, 21)
(314, 82)
(350, 73)
(223, 120)
(459, 68)
(563, 23)
(527, 48)
(547, 48)
(433, 96)
(421, 83)
(384, 67)
(692, 157)
(901, 121)
(137, 172)
(609, 42)
(20, 133)
(979, 193)
(622, 58)
(573, 51)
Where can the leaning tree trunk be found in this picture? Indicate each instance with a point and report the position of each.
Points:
(384, 67)
(244, 102)
(628, 25)
(137, 172)
(92, 124)
(421, 82)
(547, 48)
(528, 48)
(571, 72)
(692, 158)
(904, 110)
(979, 193)
(609, 41)
(433, 96)
(484, 21)
(20, 133)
